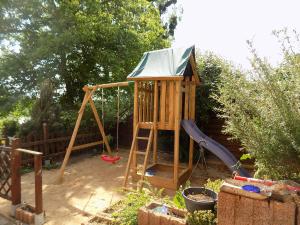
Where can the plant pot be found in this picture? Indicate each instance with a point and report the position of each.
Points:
(148, 216)
(25, 214)
(193, 205)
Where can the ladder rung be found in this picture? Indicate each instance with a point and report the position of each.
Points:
(140, 153)
(143, 138)
(146, 125)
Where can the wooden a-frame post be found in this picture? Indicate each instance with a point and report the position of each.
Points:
(87, 98)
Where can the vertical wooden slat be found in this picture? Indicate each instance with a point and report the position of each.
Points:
(178, 97)
(15, 173)
(155, 114)
(226, 206)
(137, 105)
(38, 184)
(147, 102)
(144, 101)
(186, 98)
(139, 101)
(171, 104)
(244, 208)
(151, 102)
(192, 117)
(167, 102)
(163, 103)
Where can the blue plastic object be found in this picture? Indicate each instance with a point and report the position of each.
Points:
(150, 172)
(251, 188)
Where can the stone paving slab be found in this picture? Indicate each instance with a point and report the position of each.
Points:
(5, 221)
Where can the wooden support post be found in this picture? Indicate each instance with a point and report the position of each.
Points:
(192, 117)
(45, 138)
(71, 143)
(38, 184)
(15, 175)
(137, 106)
(178, 106)
(186, 98)
(155, 113)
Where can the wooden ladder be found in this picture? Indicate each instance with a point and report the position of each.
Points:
(135, 151)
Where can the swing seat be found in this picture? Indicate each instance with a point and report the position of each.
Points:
(110, 159)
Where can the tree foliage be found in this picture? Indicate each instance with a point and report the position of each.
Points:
(74, 43)
(262, 110)
(209, 67)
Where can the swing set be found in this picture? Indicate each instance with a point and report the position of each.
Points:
(89, 91)
(164, 94)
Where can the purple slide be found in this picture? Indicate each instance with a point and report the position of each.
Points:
(214, 147)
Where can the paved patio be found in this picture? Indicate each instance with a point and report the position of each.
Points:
(5, 221)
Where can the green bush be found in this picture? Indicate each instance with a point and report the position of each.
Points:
(178, 200)
(10, 127)
(210, 68)
(214, 185)
(133, 201)
(262, 110)
(203, 217)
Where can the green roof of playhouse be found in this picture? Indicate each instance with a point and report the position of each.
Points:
(168, 62)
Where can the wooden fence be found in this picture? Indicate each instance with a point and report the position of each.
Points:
(53, 145)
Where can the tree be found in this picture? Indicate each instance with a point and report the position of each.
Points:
(74, 43)
(262, 110)
(172, 19)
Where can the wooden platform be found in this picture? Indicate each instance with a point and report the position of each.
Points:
(163, 175)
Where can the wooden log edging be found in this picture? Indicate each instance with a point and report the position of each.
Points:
(239, 210)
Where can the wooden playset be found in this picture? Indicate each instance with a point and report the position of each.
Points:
(164, 93)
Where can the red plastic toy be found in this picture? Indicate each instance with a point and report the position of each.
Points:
(111, 159)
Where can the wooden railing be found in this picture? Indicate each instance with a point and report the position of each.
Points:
(17, 153)
(10, 174)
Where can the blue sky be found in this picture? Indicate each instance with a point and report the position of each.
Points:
(223, 26)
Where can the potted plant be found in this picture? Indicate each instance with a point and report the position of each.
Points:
(199, 198)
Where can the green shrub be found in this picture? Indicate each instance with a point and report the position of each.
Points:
(214, 185)
(262, 110)
(128, 213)
(203, 217)
(10, 127)
(178, 200)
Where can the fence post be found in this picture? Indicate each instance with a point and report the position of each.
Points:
(39, 216)
(15, 176)
(45, 138)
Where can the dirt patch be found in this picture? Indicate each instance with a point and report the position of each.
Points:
(200, 197)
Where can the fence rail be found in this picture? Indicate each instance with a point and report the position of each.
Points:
(54, 145)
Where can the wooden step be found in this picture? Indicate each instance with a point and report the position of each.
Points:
(140, 153)
(143, 138)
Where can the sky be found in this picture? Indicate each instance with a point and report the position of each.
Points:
(224, 26)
